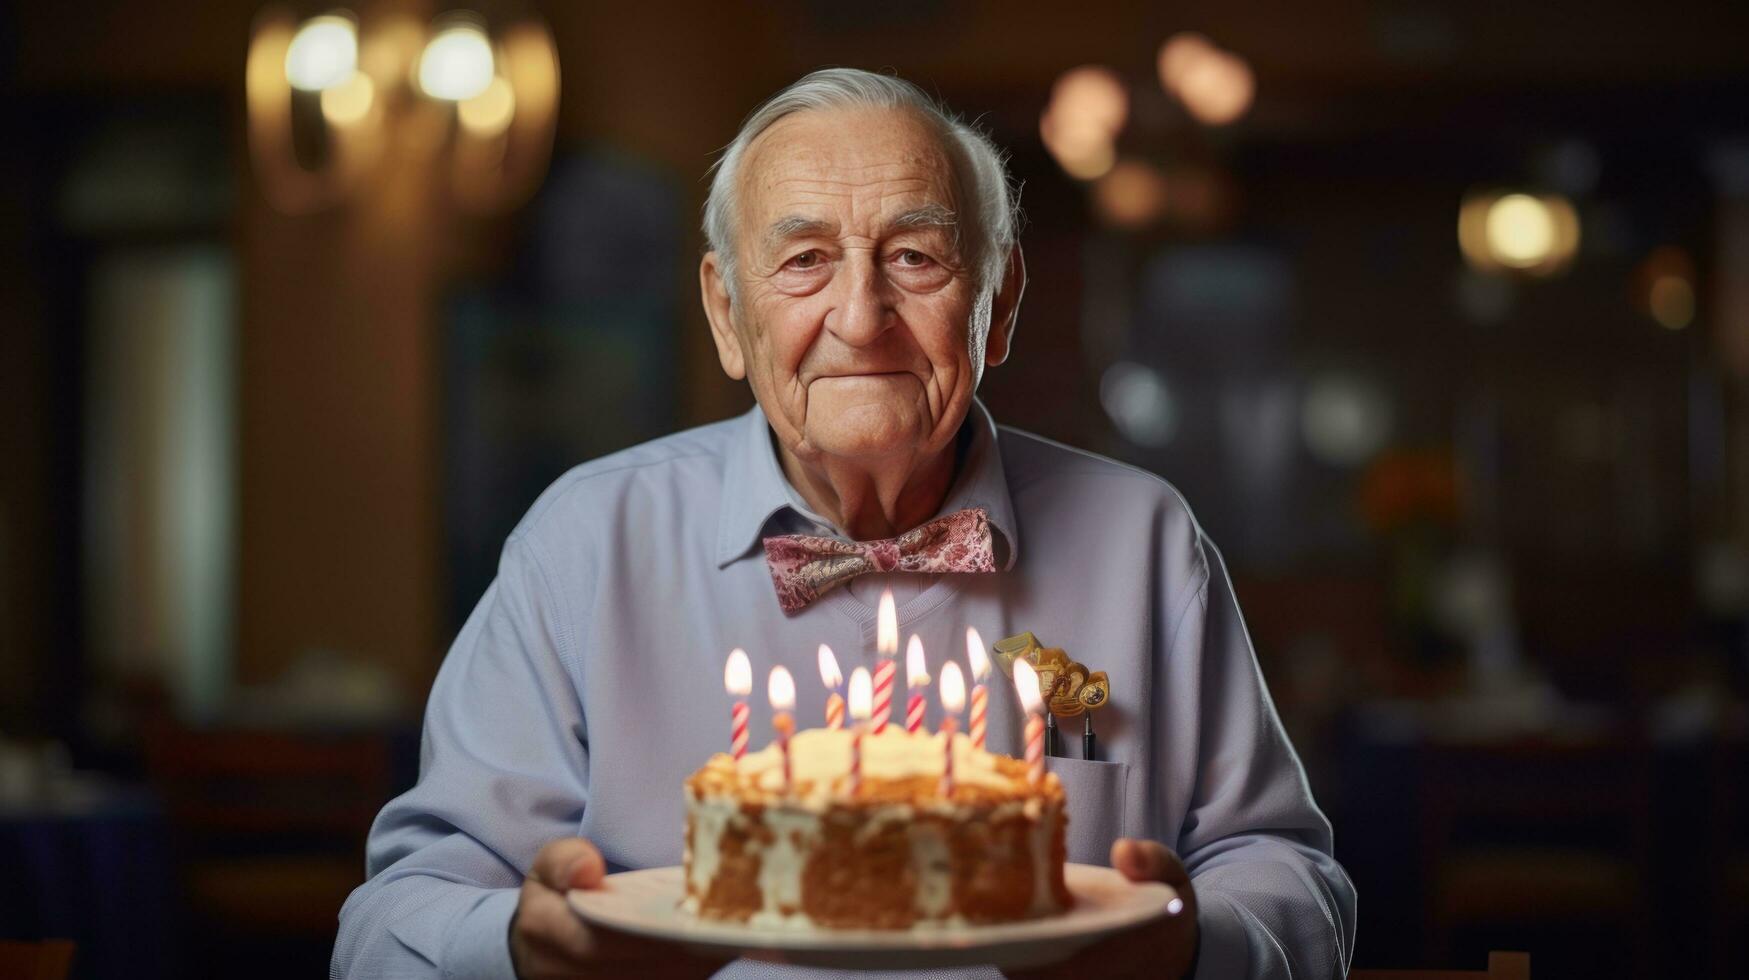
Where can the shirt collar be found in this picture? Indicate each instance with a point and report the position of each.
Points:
(754, 487)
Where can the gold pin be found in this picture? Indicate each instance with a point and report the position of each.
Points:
(1067, 687)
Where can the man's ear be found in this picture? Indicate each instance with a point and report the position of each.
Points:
(1005, 310)
(714, 292)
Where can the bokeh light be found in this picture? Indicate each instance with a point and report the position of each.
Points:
(1520, 230)
(1132, 195)
(349, 102)
(1139, 403)
(1087, 110)
(323, 53)
(457, 63)
(1664, 287)
(1344, 419)
(1538, 235)
(1215, 86)
(489, 113)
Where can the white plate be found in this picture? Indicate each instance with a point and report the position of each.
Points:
(647, 903)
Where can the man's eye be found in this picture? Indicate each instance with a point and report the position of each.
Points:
(806, 260)
(912, 257)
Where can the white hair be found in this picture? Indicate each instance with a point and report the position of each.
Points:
(989, 206)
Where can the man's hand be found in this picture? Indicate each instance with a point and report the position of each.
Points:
(547, 939)
(1162, 948)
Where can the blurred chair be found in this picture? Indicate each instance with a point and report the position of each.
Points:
(1538, 833)
(1501, 966)
(50, 959)
(269, 827)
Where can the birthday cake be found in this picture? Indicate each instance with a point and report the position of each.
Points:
(893, 852)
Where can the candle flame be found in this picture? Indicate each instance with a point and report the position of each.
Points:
(738, 673)
(861, 694)
(976, 655)
(781, 689)
(1026, 682)
(916, 670)
(887, 626)
(829, 672)
(953, 688)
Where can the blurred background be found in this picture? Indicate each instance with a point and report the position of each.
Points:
(1438, 313)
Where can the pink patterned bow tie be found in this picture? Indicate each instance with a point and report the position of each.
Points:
(803, 566)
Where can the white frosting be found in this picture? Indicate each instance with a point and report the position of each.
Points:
(794, 836)
(821, 756)
(933, 865)
(709, 819)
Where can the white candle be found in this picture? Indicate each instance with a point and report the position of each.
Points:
(781, 689)
(953, 701)
(738, 681)
(861, 695)
(1026, 683)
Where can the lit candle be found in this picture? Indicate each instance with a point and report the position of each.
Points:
(916, 679)
(887, 651)
(980, 662)
(781, 689)
(833, 679)
(860, 697)
(1026, 682)
(738, 681)
(953, 700)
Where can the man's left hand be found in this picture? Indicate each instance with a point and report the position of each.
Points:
(1162, 948)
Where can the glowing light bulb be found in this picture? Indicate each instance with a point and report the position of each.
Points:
(323, 53)
(457, 64)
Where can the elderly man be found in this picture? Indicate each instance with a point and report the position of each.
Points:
(862, 273)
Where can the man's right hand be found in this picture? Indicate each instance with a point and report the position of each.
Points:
(548, 939)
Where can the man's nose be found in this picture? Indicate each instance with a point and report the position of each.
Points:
(862, 312)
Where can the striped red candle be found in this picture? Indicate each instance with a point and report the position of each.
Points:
(738, 681)
(833, 679)
(886, 649)
(916, 679)
(977, 726)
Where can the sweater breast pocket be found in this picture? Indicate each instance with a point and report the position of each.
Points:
(1095, 795)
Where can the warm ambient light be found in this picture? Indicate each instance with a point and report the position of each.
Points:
(457, 64)
(1520, 232)
(323, 53)
(1216, 86)
(489, 113)
(350, 101)
(1080, 126)
(916, 669)
(1131, 196)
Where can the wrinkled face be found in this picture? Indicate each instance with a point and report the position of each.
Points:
(859, 325)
